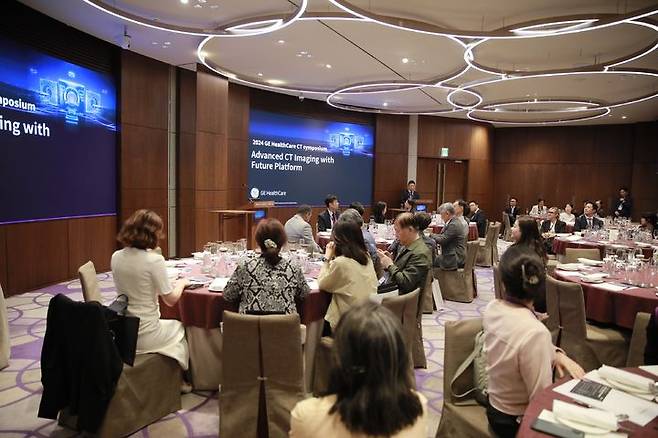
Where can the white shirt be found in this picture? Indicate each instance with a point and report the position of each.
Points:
(568, 218)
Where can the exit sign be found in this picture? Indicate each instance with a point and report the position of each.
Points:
(444, 152)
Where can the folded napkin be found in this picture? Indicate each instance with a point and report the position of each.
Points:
(585, 416)
(632, 380)
(312, 284)
(218, 284)
(570, 266)
(595, 277)
(574, 238)
(611, 287)
(590, 262)
(173, 273)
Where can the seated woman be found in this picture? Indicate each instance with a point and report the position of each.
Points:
(520, 354)
(567, 215)
(413, 260)
(370, 390)
(269, 283)
(526, 234)
(141, 275)
(379, 212)
(347, 273)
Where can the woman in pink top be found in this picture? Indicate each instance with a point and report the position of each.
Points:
(370, 389)
(520, 353)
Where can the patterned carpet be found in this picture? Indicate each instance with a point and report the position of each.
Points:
(20, 383)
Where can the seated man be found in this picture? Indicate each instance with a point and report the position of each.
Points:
(328, 218)
(412, 263)
(512, 211)
(479, 218)
(298, 228)
(452, 240)
(461, 211)
(550, 227)
(587, 220)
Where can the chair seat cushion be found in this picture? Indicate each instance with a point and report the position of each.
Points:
(599, 334)
(463, 421)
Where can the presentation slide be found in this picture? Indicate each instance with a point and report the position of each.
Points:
(57, 138)
(299, 160)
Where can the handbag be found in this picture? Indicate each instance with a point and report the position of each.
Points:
(477, 359)
(123, 327)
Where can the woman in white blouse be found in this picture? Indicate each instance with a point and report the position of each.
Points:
(348, 273)
(140, 273)
(567, 215)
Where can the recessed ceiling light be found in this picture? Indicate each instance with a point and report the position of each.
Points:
(214, 6)
(299, 55)
(385, 103)
(198, 6)
(303, 53)
(281, 41)
(166, 43)
(276, 81)
(623, 117)
(328, 65)
(165, 47)
(155, 43)
(308, 56)
(184, 1)
(260, 75)
(202, 1)
(405, 60)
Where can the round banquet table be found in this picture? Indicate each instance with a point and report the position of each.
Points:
(560, 244)
(324, 238)
(200, 310)
(472, 230)
(610, 307)
(544, 400)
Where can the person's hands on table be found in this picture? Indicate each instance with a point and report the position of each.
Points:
(385, 258)
(564, 364)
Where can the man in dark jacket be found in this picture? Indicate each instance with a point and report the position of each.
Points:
(624, 206)
(479, 218)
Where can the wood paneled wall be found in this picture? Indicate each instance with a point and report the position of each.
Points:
(574, 163)
(391, 156)
(466, 141)
(144, 137)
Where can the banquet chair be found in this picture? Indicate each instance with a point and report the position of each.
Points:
(486, 253)
(262, 377)
(417, 349)
(404, 307)
(5, 345)
(638, 340)
(89, 283)
(571, 255)
(507, 234)
(499, 293)
(589, 345)
(427, 298)
(461, 418)
(460, 285)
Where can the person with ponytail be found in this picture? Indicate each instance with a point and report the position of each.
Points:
(370, 391)
(269, 283)
(519, 349)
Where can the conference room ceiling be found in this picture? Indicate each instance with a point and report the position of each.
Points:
(507, 62)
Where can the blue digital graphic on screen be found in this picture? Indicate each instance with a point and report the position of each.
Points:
(57, 137)
(300, 160)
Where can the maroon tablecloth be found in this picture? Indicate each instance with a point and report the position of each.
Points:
(544, 400)
(560, 245)
(204, 308)
(618, 308)
(472, 230)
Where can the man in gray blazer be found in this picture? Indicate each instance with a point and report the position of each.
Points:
(299, 230)
(452, 240)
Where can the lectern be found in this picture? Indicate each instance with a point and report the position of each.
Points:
(249, 215)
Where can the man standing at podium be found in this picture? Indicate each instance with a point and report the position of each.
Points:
(410, 193)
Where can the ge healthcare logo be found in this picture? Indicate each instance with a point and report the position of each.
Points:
(255, 193)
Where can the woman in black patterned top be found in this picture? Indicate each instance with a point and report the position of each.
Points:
(268, 283)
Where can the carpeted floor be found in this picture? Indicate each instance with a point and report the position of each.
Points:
(20, 385)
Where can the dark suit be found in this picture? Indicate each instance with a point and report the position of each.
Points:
(623, 207)
(408, 195)
(481, 220)
(512, 214)
(324, 221)
(410, 268)
(453, 246)
(581, 223)
(560, 227)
